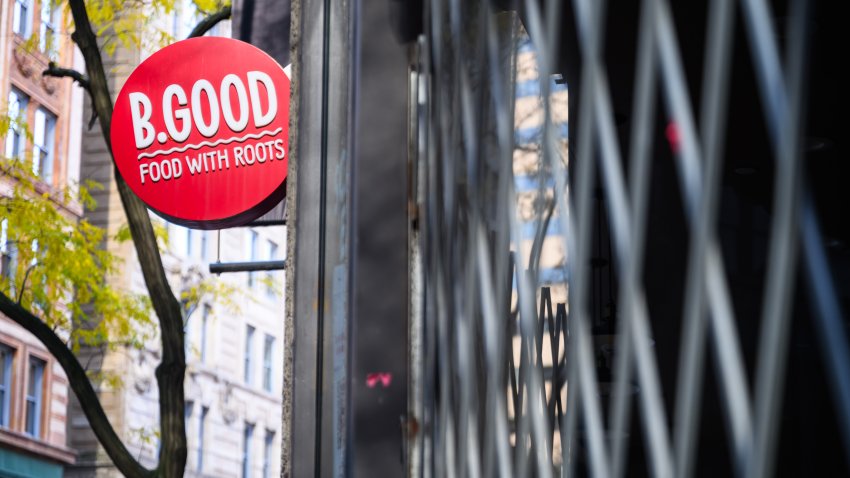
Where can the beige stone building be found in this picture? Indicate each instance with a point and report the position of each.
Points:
(234, 350)
(530, 172)
(33, 388)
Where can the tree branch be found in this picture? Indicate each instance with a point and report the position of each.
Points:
(81, 79)
(24, 282)
(210, 21)
(59, 72)
(81, 386)
(171, 371)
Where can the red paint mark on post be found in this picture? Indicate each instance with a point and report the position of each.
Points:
(385, 378)
(673, 136)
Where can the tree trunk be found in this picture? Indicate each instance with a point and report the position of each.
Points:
(171, 370)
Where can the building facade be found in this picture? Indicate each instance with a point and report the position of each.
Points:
(233, 385)
(43, 115)
(233, 338)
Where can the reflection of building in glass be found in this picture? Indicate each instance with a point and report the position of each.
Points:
(530, 172)
(42, 115)
(234, 339)
(536, 211)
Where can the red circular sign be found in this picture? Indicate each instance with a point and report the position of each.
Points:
(200, 132)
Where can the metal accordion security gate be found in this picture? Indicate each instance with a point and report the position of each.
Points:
(617, 298)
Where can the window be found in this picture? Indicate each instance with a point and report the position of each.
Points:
(47, 35)
(34, 248)
(179, 237)
(8, 256)
(249, 339)
(175, 24)
(35, 380)
(187, 413)
(183, 18)
(6, 252)
(188, 17)
(246, 450)
(188, 407)
(204, 245)
(190, 238)
(270, 275)
(202, 421)
(215, 31)
(42, 144)
(7, 355)
(21, 20)
(267, 363)
(187, 418)
(252, 256)
(37, 253)
(17, 112)
(267, 454)
(187, 337)
(204, 322)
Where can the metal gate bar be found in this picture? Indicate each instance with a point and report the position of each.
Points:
(497, 398)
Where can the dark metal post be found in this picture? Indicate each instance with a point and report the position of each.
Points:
(316, 401)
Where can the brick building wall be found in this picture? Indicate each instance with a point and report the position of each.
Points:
(34, 388)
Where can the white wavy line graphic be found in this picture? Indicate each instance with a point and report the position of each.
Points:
(207, 143)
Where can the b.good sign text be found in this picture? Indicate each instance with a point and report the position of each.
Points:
(200, 130)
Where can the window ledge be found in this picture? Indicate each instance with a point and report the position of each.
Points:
(28, 444)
